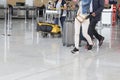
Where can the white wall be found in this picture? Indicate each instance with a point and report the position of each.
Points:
(29, 2)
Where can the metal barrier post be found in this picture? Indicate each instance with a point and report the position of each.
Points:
(44, 14)
(33, 11)
(8, 21)
(25, 15)
(5, 31)
(10, 18)
(5, 22)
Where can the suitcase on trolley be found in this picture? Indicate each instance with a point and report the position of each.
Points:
(68, 33)
(46, 28)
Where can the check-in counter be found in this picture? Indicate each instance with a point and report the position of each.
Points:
(106, 23)
(106, 17)
(20, 12)
(3, 5)
(1, 12)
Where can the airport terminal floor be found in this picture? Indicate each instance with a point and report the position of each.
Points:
(25, 55)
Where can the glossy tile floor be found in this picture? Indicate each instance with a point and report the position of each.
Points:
(27, 56)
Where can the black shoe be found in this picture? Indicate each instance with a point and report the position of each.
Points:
(101, 41)
(75, 50)
(89, 47)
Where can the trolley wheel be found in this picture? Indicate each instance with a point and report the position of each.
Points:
(44, 35)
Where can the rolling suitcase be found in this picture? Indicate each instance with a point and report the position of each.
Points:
(68, 33)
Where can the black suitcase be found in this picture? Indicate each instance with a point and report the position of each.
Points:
(48, 28)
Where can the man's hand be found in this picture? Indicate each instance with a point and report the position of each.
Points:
(93, 14)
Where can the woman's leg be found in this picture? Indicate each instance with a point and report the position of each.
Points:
(77, 33)
(85, 26)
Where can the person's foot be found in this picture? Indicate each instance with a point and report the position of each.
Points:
(75, 50)
(101, 41)
(88, 47)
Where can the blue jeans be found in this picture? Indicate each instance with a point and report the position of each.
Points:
(62, 20)
(85, 6)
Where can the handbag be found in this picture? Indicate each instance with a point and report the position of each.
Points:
(82, 17)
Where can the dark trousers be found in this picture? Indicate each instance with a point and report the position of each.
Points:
(62, 20)
(92, 31)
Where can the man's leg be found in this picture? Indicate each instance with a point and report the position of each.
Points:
(92, 27)
(92, 31)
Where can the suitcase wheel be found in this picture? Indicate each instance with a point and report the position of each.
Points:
(44, 35)
(63, 44)
(52, 35)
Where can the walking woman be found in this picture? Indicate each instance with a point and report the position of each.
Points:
(82, 20)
